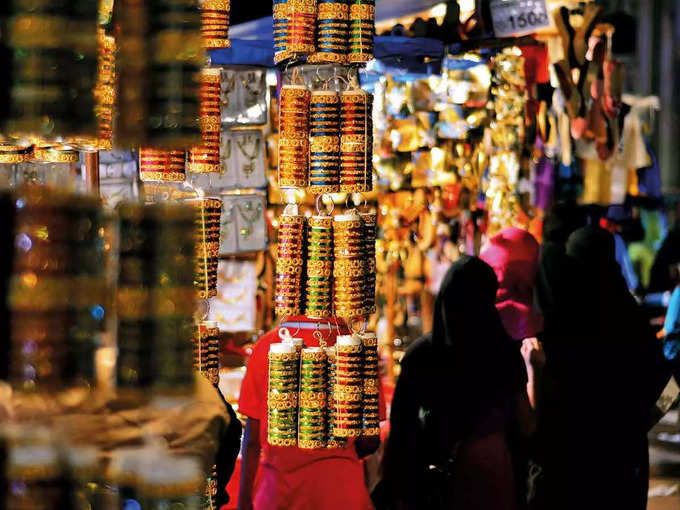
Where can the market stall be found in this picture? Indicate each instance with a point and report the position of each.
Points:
(177, 188)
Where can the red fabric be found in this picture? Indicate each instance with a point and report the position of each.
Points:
(513, 254)
(232, 487)
(293, 479)
(536, 64)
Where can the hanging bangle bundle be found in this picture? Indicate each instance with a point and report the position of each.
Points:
(370, 410)
(331, 32)
(282, 395)
(361, 30)
(207, 238)
(51, 70)
(312, 411)
(324, 142)
(280, 18)
(349, 265)
(161, 165)
(289, 264)
(215, 23)
(205, 158)
(57, 281)
(319, 302)
(301, 27)
(347, 392)
(333, 441)
(155, 291)
(105, 90)
(356, 142)
(158, 65)
(369, 220)
(294, 136)
(207, 351)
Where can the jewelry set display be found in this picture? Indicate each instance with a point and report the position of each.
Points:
(324, 31)
(244, 96)
(319, 397)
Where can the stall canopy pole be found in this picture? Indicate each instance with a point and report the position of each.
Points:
(92, 171)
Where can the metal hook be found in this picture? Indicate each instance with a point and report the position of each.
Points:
(327, 211)
(363, 324)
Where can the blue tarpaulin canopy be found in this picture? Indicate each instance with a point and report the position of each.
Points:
(260, 52)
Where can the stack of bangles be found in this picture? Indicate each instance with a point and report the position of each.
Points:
(207, 351)
(57, 280)
(331, 32)
(348, 390)
(332, 440)
(291, 247)
(294, 137)
(282, 395)
(161, 165)
(312, 414)
(208, 212)
(205, 158)
(319, 267)
(362, 30)
(215, 23)
(301, 27)
(11, 154)
(280, 19)
(324, 142)
(105, 89)
(370, 410)
(175, 56)
(154, 299)
(349, 266)
(356, 140)
(369, 220)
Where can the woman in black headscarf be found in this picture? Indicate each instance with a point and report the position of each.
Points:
(608, 371)
(460, 390)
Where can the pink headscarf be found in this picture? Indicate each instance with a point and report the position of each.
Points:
(513, 254)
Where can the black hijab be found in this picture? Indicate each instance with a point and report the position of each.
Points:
(555, 289)
(606, 309)
(453, 377)
(624, 366)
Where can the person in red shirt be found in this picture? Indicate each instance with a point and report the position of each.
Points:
(280, 478)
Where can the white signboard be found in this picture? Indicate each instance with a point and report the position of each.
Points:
(518, 17)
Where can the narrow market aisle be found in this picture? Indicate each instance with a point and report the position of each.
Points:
(664, 459)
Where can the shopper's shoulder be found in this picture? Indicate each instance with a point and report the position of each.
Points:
(419, 350)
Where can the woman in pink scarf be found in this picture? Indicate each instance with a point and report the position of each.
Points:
(513, 254)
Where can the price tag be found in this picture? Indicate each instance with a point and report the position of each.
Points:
(518, 17)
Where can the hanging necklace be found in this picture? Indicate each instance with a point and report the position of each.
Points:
(253, 92)
(226, 155)
(249, 167)
(250, 214)
(228, 87)
(227, 220)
